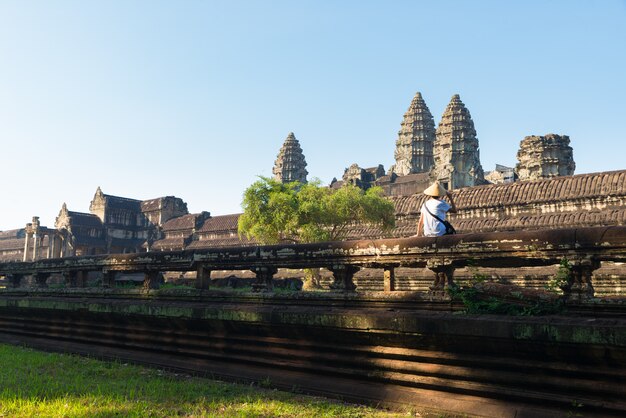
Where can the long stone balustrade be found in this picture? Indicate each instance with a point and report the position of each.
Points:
(396, 349)
(584, 248)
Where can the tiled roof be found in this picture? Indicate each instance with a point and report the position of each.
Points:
(582, 186)
(184, 222)
(226, 241)
(409, 178)
(13, 233)
(118, 202)
(12, 244)
(84, 219)
(220, 223)
(152, 204)
(168, 244)
(544, 221)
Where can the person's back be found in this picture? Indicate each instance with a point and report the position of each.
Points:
(432, 226)
(434, 207)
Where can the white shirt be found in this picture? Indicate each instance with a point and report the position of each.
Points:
(432, 227)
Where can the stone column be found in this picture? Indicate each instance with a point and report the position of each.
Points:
(152, 280)
(26, 242)
(264, 277)
(75, 278)
(41, 280)
(67, 278)
(51, 245)
(444, 276)
(203, 277)
(108, 279)
(579, 286)
(35, 246)
(389, 277)
(16, 280)
(342, 277)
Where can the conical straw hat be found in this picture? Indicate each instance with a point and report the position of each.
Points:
(435, 190)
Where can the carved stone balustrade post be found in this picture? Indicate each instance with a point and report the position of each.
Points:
(579, 286)
(71, 278)
(16, 280)
(41, 280)
(342, 277)
(152, 279)
(203, 277)
(444, 276)
(108, 279)
(264, 277)
(389, 277)
(78, 278)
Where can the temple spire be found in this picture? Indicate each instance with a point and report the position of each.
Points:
(414, 146)
(290, 164)
(456, 153)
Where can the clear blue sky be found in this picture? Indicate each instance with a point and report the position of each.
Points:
(195, 98)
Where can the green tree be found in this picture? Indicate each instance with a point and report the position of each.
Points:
(293, 212)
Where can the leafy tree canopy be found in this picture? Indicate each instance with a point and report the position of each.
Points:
(274, 212)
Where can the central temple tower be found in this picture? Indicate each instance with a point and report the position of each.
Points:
(414, 146)
(456, 154)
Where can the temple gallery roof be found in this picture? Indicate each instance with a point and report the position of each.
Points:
(185, 222)
(84, 219)
(11, 244)
(581, 186)
(169, 244)
(13, 233)
(153, 204)
(221, 223)
(118, 202)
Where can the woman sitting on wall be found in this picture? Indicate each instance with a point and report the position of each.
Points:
(433, 212)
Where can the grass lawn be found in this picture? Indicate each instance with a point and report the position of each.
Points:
(39, 384)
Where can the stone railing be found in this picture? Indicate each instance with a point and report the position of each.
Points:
(584, 248)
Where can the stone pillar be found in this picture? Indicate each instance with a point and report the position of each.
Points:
(203, 277)
(67, 278)
(26, 242)
(579, 286)
(51, 245)
(152, 280)
(16, 280)
(35, 246)
(444, 276)
(342, 277)
(108, 279)
(41, 280)
(264, 277)
(62, 247)
(75, 278)
(389, 276)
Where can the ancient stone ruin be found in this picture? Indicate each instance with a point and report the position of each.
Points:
(414, 146)
(290, 164)
(456, 154)
(450, 154)
(545, 157)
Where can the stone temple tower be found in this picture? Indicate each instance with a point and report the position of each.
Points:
(456, 154)
(290, 164)
(545, 157)
(414, 146)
